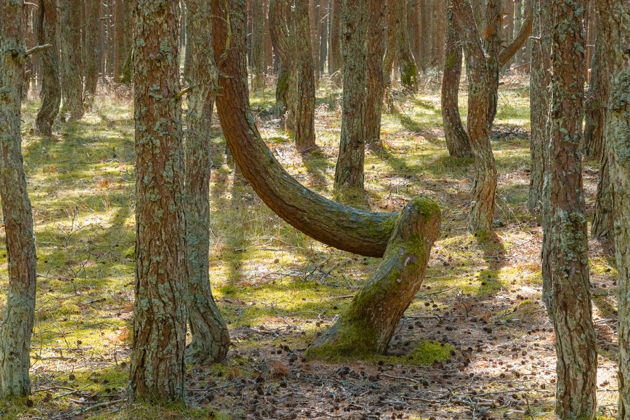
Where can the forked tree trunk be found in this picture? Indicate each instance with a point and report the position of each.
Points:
(304, 93)
(349, 168)
(565, 246)
(71, 63)
(159, 326)
(210, 336)
(50, 94)
(375, 78)
(343, 227)
(17, 322)
(479, 87)
(368, 324)
(539, 101)
(457, 140)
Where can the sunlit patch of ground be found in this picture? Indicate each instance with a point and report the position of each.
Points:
(476, 342)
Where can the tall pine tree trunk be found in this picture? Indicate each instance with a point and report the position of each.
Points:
(304, 93)
(159, 327)
(258, 49)
(349, 169)
(71, 63)
(210, 336)
(457, 140)
(334, 50)
(92, 15)
(565, 246)
(17, 322)
(375, 77)
(50, 94)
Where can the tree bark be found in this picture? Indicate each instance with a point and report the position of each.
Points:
(539, 101)
(159, 327)
(51, 90)
(349, 169)
(17, 322)
(406, 60)
(258, 48)
(210, 336)
(368, 324)
(343, 227)
(457, 140)
(479, 91)
(375, 78)
(93, 8)
(304, 94)
(334, 50)
(615, 16)
(279, 26)
(603, 223)
(71, 63)
(565, 246)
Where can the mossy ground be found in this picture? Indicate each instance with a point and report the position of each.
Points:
(477, 322)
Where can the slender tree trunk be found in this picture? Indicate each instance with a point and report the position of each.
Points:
(313, 14)
(615, 17)
(375, 78)
(157, 360)
(17, 322)
(279, 26)
(304, 95)
(349, 169)
(71, 65)
(334, 50)
(597, 96)
(121, 37)
(368, 324)
(565, 247)
(492, 37)
(323, 30)
(457, 140)
(258, 49)
(340, 226)
(211, 338)
(93, 8)
(51, 90)
(406, 60)
(415, 34)
(439, 11)
(391, 51)
(480, 83)
(539, 101)
(603, 223)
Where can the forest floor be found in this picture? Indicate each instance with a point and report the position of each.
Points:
(475, 343)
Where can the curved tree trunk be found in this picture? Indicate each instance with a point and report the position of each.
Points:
(342, 227)
(349, 169)
(159, 326)
(210, 336)
(457, 140)
(565, 247)
(92, 13)
(51, 89)
(540, 80)
(17, 322)
(368, 324)
(304, 94)
(479, 87)
(71, 63)
(375, 79)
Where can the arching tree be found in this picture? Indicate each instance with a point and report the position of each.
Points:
(405, 238)
(17, 322)
(46, 29)
(349, 169)
(159, 326)
(210, 337)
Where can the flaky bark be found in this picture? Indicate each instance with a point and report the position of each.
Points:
(375, 78)
(480, 83)
(210, 336)
(349, 168)
(457, 140)
(339, 226)
(71, 64)
(368, 324)
(539, 101)
(50, 94)
(159, 327)
(17, 321)
(565, 246)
